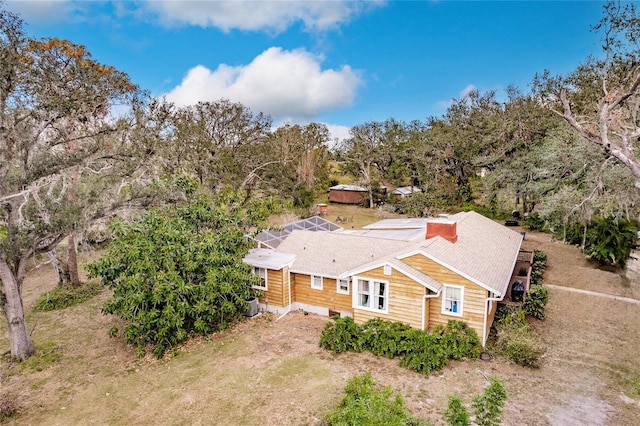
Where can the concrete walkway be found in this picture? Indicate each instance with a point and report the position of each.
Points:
(593, 293)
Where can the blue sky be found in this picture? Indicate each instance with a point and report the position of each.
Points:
(341, 63)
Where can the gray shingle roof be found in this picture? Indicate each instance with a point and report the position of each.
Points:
(485, 252)
(330, 254)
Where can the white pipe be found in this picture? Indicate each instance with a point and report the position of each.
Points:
(424, 301)
(486, 311)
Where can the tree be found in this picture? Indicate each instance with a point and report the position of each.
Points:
(295, 159)
(176, 272)
(54, 105)
(601, 98)
(215, 140)
(363, 151)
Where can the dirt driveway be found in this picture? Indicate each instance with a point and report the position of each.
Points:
(272, 372)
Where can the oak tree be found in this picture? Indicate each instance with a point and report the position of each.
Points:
(54, 126)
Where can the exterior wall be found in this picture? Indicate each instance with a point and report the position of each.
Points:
(346, 197)
(493, 307)
(405, 299)
(276, 291)
(473, 304)
(328, 297)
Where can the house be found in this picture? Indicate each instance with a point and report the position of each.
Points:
(347, 194)
(423, 272)
(403, 191)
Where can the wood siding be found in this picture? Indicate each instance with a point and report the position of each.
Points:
(474, 299)
(405, 299)
(328, 297)
(342, 196)
(493, 307)
(276, 291)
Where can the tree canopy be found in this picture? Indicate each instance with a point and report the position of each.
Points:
(179, 271)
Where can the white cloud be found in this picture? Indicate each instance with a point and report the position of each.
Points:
(284, 84)
(40, 11)
(338, 134)
(274, 16)
(443, 105)
(470, 88)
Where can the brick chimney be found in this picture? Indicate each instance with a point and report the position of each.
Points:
(442, 227)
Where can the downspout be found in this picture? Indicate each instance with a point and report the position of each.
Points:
(486, 311)
(289, 286)
(424, 301)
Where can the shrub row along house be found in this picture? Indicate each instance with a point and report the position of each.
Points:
(422, 272)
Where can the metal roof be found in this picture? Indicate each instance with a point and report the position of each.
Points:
(267, 258)
(412, 234)
(343, 187)
(273, 238)
(413, 223)
(406, 190)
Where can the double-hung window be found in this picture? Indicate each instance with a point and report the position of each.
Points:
(452, 300)
(372, 295)
(316, 282)
(343, 286)
(262, 273)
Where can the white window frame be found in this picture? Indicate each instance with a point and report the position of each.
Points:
(339, 288)
(373, 286)
(313, 282)
(256, 271)
(449, 303)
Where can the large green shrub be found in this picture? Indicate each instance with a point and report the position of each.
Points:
(422, 353)
(534, 222)
(364, 405)
(459, 339)
(515, 339)
(538, 267)
(536, 301)
(610, 241)
(176, 272)
(384, 338)
(341, 335)
(419, 351)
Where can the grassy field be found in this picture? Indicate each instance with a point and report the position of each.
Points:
(269, 372)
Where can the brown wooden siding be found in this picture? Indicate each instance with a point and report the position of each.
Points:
(342, 196)
(405, 299)
(474, 295)
(328, 297)
(276, 281)
(493, 306)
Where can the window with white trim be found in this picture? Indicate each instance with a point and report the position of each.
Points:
(262, 273)
(343, 286)
(452, 298)
(316, 282)
(372, 295)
